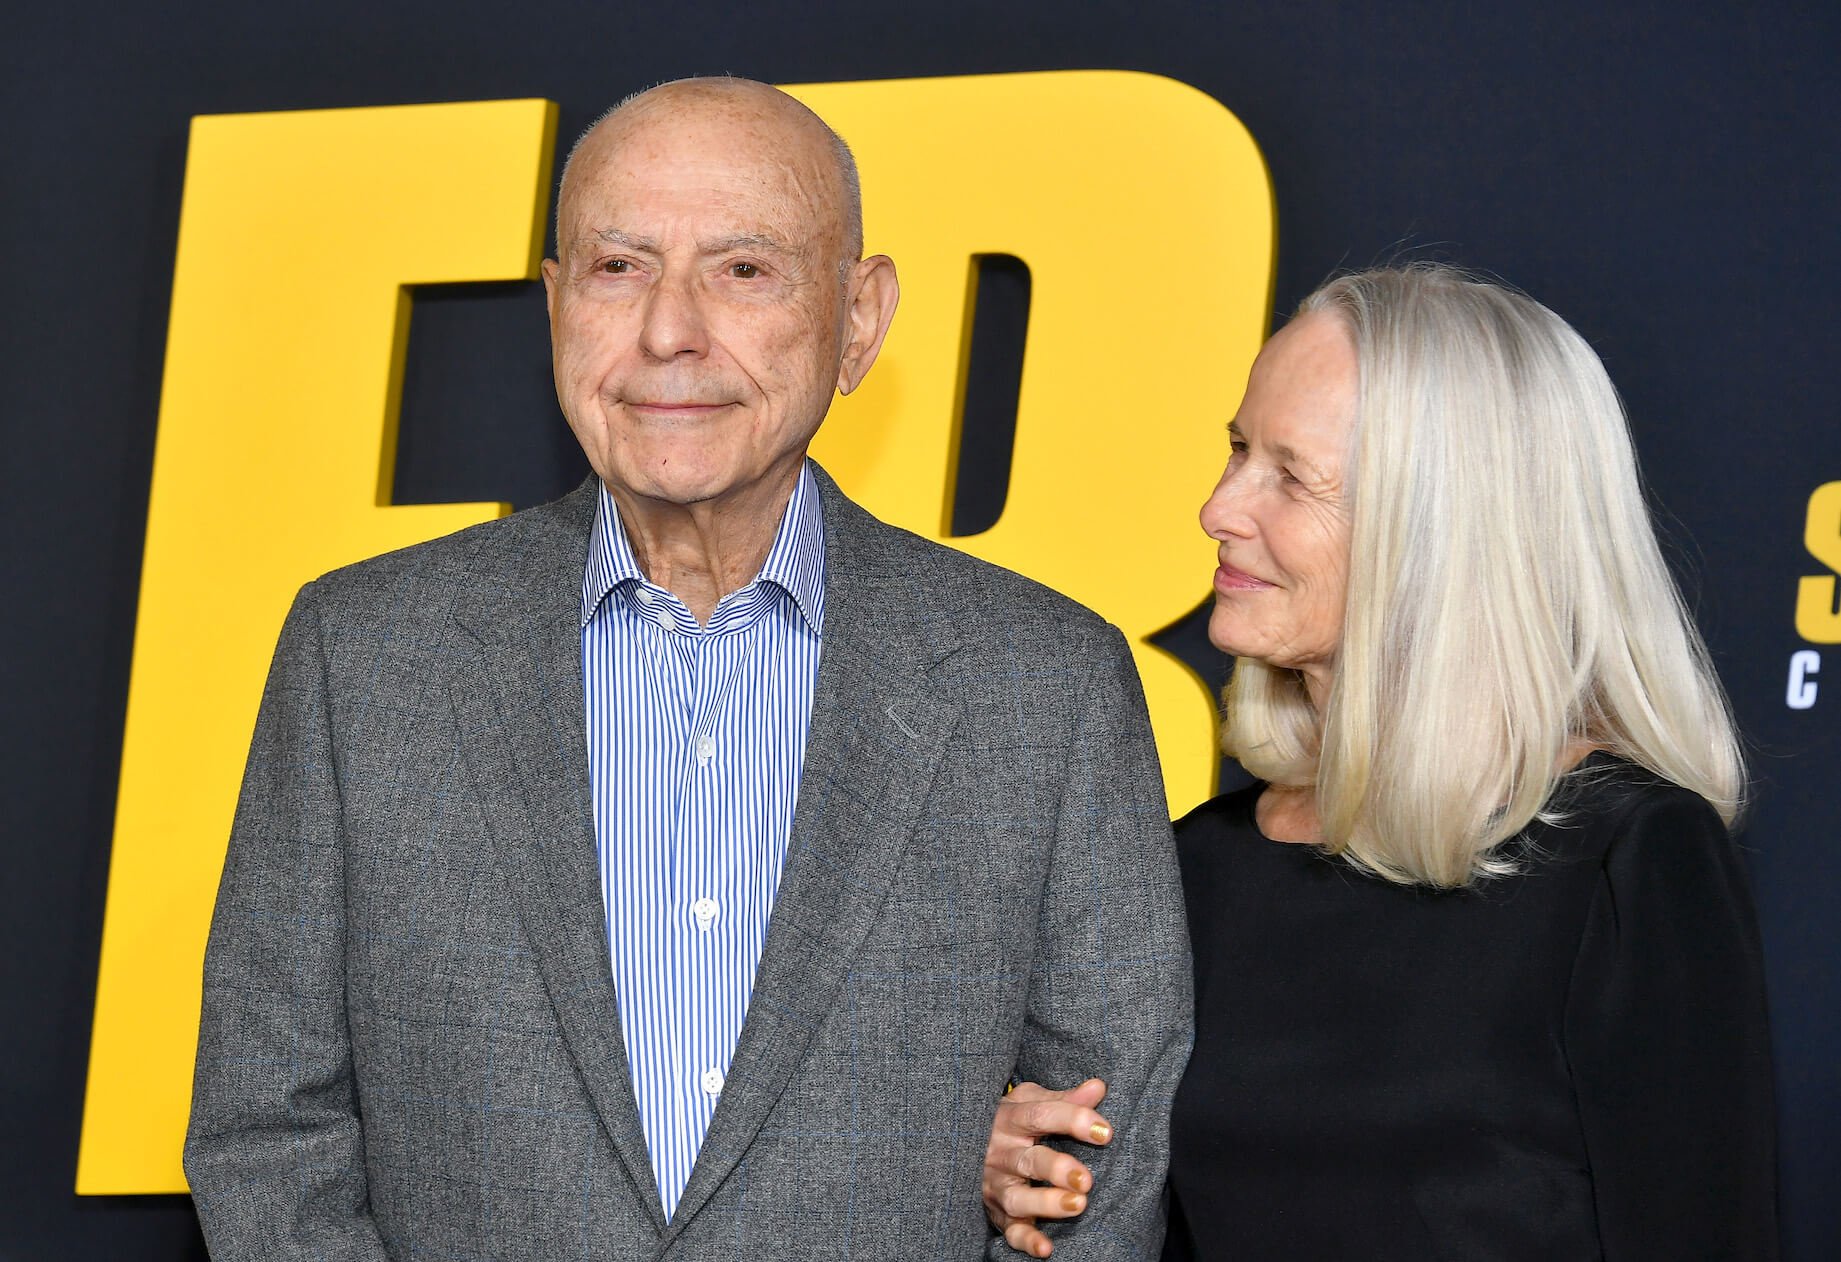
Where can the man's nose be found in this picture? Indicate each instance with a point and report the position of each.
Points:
(674, 317)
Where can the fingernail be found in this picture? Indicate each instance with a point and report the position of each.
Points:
(1101, 1132)
(1079, 1180)
(1072, 1202)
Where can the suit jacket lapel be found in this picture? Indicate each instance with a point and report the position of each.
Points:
(878, 731)
(520, 710)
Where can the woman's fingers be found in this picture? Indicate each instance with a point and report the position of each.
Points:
(1024, 1238)
(1020, 1200)
(1047, 1165)
(1032, 1112)
(1088, 1093)
(1040, 1118)
(1025, 1180)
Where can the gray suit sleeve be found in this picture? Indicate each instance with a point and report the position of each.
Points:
(1111, 990)
(275, 1148)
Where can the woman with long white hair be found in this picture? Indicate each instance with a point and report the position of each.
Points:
(1477, 972)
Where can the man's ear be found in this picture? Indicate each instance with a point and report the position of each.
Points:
(869, 308)
(550, 270)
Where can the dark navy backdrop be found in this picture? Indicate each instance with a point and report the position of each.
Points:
(1662, 175)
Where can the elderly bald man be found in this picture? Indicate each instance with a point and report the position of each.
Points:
(682, 869)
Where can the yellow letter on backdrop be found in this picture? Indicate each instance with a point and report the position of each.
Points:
(273, 464)
(1144, 212)
(1817, 619)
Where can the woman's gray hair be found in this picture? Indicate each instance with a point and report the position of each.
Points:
(1506, 597)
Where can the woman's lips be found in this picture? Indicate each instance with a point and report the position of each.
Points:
(1229, 579)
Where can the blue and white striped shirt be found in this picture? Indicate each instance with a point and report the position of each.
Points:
(696, 739)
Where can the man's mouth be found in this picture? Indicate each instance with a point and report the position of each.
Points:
(676, 409)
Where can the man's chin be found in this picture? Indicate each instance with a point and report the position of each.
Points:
(683, 486)
(689, 474)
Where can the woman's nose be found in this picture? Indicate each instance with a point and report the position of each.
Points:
(1224, 511)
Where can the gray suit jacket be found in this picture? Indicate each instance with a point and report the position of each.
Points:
(410, 1044)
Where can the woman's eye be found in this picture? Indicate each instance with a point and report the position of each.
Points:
(744, 271)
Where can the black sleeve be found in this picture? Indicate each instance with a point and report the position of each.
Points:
(1668, 1044)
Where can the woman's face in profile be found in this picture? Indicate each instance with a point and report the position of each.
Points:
(1279, 513)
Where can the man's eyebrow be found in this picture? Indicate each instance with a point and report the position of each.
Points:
(765, 245)
(719, 245)
(613, 236)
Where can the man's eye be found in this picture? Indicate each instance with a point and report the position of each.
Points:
(616, 267)
(744, 271)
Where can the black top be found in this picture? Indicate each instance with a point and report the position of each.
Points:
(1570, 1063)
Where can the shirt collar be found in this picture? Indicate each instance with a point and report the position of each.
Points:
(795, 562)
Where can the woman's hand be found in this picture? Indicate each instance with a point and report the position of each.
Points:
(1023, 1180)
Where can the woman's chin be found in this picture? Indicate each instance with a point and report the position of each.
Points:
(1231, 638)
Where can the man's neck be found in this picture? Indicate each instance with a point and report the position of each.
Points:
(701, 552)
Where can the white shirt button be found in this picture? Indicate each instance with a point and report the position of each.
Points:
(645, 596)
(712, 1081)
(704, 909)
(667, 619)
(706, 749)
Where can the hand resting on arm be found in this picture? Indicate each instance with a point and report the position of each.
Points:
(1024, 1179)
